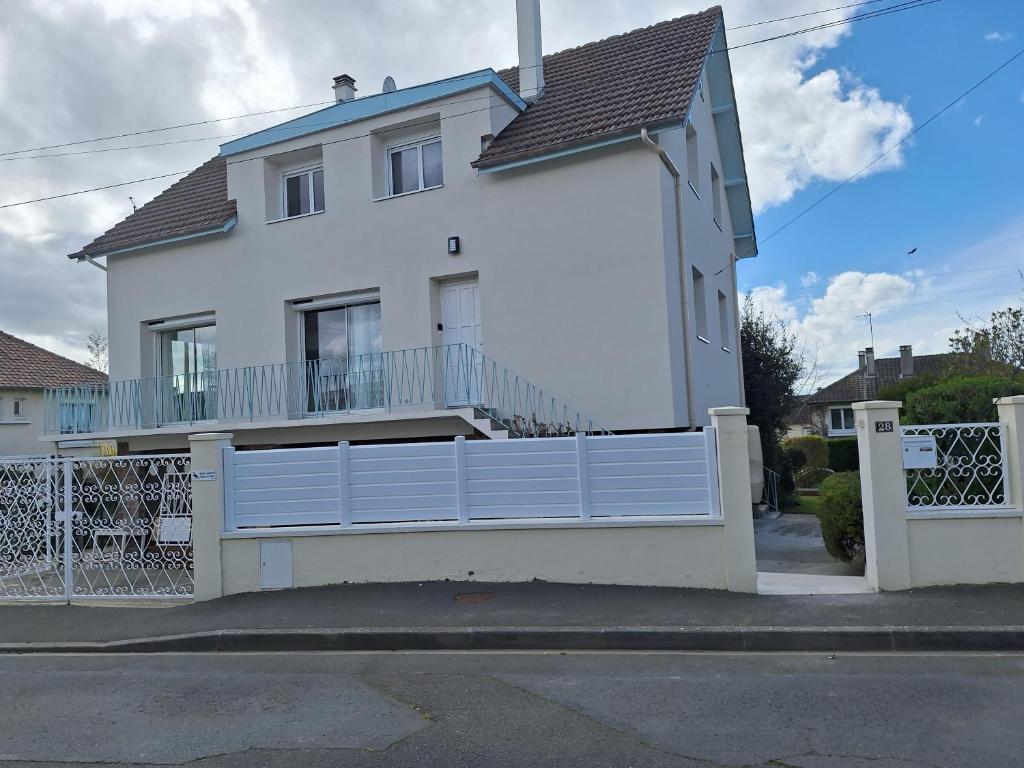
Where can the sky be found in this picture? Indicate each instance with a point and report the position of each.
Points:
(814, 109)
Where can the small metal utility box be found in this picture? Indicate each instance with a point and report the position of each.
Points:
(920, 452)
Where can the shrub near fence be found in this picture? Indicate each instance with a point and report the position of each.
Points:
(842, 516)
(813, 448)
(843, 455)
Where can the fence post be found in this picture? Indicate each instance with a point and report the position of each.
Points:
(583, 474)
(461, 492)
(730, 423)
(884, 494)
(344, 485)
(208, 514)
(1011, 413)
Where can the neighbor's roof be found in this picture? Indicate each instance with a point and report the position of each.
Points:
(858, 386)
(592, 93)
(197, 204)
(26, 366)
(609, 88)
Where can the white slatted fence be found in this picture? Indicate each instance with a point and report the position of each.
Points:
(478, 481)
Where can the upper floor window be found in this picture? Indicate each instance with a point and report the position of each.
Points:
(302, 192)
(716, 196)
(700, 305)
(412, 167)
(692, 160)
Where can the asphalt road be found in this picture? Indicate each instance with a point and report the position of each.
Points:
(512, 709)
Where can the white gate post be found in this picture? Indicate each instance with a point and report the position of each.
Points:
(1011, 413)
(208, 518)
(883, 494)
(730, 425)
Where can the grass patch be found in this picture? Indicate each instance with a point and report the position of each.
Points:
(803, 505)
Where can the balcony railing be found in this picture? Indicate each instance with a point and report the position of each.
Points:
(456, 375)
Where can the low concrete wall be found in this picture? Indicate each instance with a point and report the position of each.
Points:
(666, 556)
(975, 550)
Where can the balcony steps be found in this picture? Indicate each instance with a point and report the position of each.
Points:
(486, 426)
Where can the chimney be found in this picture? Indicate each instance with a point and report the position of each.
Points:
(861, 363)
(531, 55)
(906, 361)
(344, 88)
(869, 360)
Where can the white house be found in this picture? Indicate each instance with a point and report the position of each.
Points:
(379, 269)
(26, 371)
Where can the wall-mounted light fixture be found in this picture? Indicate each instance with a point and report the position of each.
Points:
(454, 246)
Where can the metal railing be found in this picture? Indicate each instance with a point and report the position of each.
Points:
(454, 375)
(970, 469)
(770, 494)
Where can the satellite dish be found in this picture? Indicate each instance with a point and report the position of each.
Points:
(389, 84)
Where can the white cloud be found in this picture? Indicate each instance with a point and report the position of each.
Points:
(978, 121)
(103, 67)
(921, 308)
(809, 279)
(998, 37)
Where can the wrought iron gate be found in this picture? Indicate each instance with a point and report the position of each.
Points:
(96, 528)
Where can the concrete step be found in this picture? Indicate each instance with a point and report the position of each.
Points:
(810, 584)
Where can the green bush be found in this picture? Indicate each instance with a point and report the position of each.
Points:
(841, 516)
(813, 448)
(960, 400)
(797, 459)
(843, 455)
(812, 477)
(901, 389)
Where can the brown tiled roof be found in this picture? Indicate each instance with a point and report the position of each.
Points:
(596, 91)
(859, 386)
(26, 366)
(614, 86)
(197, 203)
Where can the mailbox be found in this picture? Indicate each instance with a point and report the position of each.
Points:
(920, 452)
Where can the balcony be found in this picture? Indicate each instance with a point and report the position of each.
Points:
(423, 379)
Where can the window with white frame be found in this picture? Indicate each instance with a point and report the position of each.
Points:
(692, 159)
(412, 167)
(700, 305)
(723, 321)
(716, 196)
(841, 420)
(302, 192)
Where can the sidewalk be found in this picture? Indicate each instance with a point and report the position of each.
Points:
(534, 615)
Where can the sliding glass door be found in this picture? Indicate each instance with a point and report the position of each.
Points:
(187, 370)
(344, 364)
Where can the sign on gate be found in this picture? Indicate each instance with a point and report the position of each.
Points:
(88, 528)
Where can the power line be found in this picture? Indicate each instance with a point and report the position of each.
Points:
(8, 154)
(898, 144)
(802, 15)
(95, 189)
(898, 8)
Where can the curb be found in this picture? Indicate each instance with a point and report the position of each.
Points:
(729, 639)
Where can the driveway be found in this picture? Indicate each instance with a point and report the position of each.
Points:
(793, 544)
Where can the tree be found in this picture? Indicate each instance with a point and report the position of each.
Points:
(994, 345)
(98, 348)
(773, 366)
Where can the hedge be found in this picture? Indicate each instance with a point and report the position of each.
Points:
(843, 455)
(960, 400)
(813, 448)
(841, 516)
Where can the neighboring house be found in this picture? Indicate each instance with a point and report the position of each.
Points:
(25, 372)
(377, 269)
(829, 413)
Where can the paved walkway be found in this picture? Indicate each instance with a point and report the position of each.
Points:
(793, 544)
(456, 607)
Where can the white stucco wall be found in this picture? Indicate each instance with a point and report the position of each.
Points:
(573, 257)
(967, 550)
(668, 556)
(21, 437)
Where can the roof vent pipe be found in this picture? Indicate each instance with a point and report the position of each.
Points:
(531, 55)
(906, 361)
(344, 88)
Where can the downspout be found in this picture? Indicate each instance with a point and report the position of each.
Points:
(739, 339)
(666, 160)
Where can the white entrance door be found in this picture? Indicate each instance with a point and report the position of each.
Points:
(460, 334)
